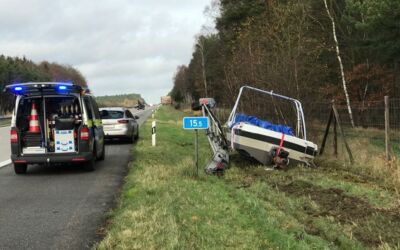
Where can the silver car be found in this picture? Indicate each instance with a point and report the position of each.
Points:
(119, 122)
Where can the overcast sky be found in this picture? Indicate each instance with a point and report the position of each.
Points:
(120, 46)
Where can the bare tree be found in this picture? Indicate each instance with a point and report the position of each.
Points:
(200, 45)
(340, 63)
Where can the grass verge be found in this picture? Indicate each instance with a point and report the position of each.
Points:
(368, 149)
(5, 122)
(164, 205)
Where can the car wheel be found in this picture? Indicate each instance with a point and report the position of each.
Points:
(89, 166)
(132, 138)
(20, 168)
(137, 135)
(103, 154)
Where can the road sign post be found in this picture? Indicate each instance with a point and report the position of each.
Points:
(196, 123)
(196, 145)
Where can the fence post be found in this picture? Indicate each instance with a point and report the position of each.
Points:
(337, 119)
(335, 146)
(387, 129)
(331, 115)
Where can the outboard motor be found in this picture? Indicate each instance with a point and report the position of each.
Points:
(209, 102)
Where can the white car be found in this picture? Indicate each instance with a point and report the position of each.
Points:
(118, 122)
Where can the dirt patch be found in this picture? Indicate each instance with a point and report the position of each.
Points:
(333, 202)
(382, 226)
(372, 226)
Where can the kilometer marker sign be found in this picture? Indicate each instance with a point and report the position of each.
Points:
(195, 123)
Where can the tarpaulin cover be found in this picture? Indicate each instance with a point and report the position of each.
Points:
(263, 124)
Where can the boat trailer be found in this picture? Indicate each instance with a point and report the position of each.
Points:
(216, 139)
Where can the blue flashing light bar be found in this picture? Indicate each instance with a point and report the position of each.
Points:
(17, 89)
(62, 87)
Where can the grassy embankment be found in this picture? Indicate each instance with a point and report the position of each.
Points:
(5, 122)
(164, 206)
(368, 149)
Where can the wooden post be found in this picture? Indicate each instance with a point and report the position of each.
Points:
(342, 133)
(387, 137)
(335, 148)
(321, 151)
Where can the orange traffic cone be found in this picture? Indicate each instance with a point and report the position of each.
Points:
(34, 120)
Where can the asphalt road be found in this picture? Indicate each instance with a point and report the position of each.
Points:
(61, 207)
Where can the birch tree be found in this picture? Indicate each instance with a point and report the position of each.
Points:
(340, 63)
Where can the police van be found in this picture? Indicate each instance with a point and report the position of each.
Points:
(54, 122)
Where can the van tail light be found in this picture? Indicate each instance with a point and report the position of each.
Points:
(123, 121)
(84, 133)
(14, 136)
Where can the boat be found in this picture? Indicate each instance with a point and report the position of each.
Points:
(269, 143)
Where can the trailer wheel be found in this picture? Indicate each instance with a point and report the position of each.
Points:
(20, 168)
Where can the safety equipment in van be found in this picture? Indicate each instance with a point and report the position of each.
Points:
(34, 120)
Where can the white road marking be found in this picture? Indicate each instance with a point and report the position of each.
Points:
(5, 149)
(5, 163)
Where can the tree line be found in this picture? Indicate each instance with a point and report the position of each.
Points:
(288, 46)
(17, 70)
(125, 100)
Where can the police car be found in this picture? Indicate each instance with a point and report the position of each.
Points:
(54, 122)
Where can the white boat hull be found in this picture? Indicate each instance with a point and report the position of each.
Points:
(258, 142)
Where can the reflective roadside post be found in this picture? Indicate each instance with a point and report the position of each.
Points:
(153, 133)
(196, 123)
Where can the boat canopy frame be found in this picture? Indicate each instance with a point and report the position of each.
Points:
(301, 126)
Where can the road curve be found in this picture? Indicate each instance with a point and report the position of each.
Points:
(60, 207)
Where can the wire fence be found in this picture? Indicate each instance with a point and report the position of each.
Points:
(369, 120)
(394, 117)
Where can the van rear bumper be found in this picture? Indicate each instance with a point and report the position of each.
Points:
(52, 158)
